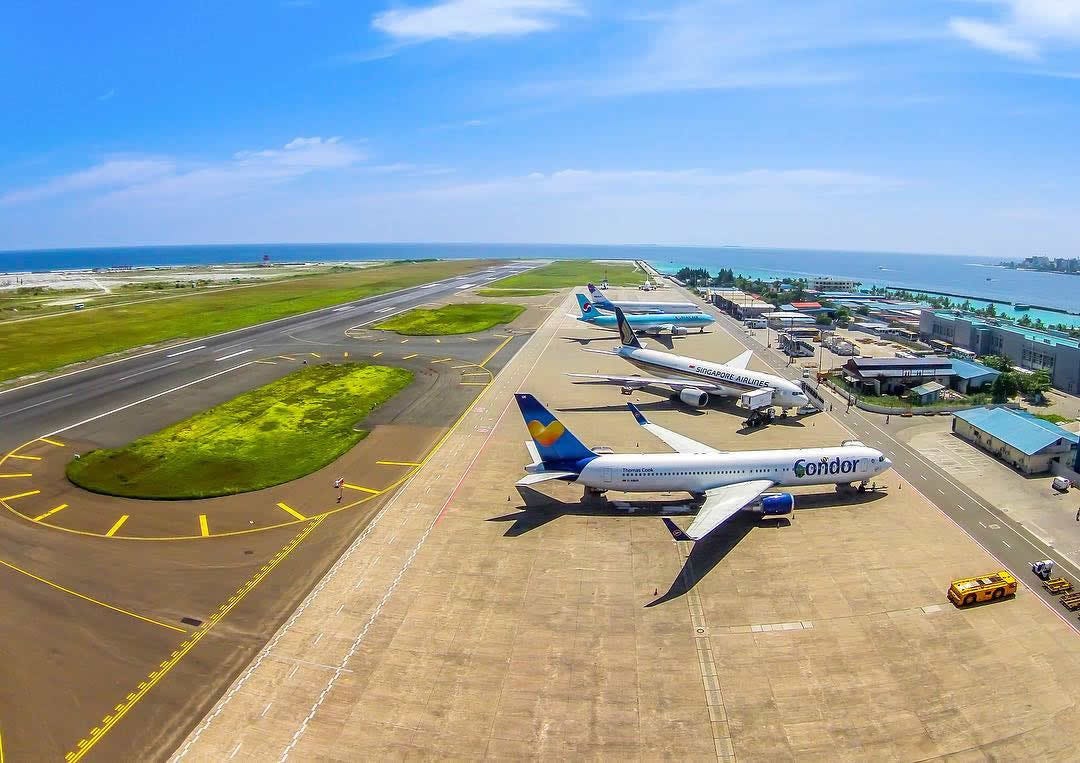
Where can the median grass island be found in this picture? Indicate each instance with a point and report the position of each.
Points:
(273, 434)
(451, 319)
(564, 273)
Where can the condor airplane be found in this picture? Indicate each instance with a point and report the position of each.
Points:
(726, 483)
(633, 307)
(695, 380)
(675, 324)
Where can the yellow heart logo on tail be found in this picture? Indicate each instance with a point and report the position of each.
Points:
(546, 435)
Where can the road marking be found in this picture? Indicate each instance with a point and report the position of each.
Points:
(397, 463)
(185, 352)
(465, 286)
(1, 748)
(315, 355)
(1006, 544)
(407, 357)
(20, 474)
(148, 370)
(289, 509)
(960, 507)
(377, 354)
(84, 597)
(362, 489)
(982, 523)
(35, 405)
(266, 709)
(474, 384)
(50, 512)
(28, 458)
(463, 365)
(472, 339)
(403, 341)
(941, 491)
(20, 495)
(384, 310)
(204, 530)
(441, 360)
(438, 341)
(477, 373)
(119, 523)
(495, 352)
(235, 354)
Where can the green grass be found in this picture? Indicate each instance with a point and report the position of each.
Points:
(513, 292)
(273, 434)
(49, 343)
(451, 319)
(1053, 418)
(573, 273)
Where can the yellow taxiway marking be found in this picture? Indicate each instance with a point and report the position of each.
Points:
(84, 597)
(1, 748)
(377, 354)
(463, 365)
(20, 495)
(289, 509)
(403, 341)
(441, 360)
(27, 458)
(315, 355)
(472, 339)
(500, 336)
(50, 512)
(361, 489)
(478, 373)
(495, 352)
(474, 384)
(410, 356)
(204, 530)
(398, 463)
(20, 474)
(57, 443)
(267, 362)
(109, 721)
(119, 523)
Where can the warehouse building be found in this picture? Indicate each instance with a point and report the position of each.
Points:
(971, 377)
(785, 320)
(1028, 444)
(886, 376)
(1027, 348)
(738, 303)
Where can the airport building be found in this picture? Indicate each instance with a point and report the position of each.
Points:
(784, 319)
(1028, 444)
(828, 283)
(971, 377)
(738, 303)
(885, 376)
(1026, 348)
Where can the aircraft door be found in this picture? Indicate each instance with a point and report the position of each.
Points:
(608, 472)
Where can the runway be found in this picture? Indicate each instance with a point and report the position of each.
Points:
(125, 619)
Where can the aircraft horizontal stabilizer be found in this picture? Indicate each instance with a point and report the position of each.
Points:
(532, 479)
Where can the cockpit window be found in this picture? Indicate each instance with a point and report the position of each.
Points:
(881, 459)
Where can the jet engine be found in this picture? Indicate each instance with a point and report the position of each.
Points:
(777, 505)
(678, 330)
(695, 398)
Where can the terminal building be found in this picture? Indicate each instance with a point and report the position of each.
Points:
(1028, 444)
(1026, 348)
(738, 303)
(828, 283)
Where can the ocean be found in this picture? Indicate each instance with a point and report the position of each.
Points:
(977, 277)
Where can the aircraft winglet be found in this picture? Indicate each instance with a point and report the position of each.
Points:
(675, 530)
(638, 415)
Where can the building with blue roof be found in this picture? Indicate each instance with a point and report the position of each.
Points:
(1027, 443)
(971, 377)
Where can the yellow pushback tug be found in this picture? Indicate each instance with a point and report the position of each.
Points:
(996, 585)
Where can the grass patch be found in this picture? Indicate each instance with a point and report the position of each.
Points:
(513, 292)
(1053, 418)
(573, 273)
(451, 319)
(49, 343)
(273, 434)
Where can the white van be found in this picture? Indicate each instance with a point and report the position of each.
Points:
(1061, 483)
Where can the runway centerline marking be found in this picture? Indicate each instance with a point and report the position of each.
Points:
(119, 523)
(90, 599)
(235, 354)
(35, 405)
(50, 512)
(290, 510)
(148, 370)
(185, 352)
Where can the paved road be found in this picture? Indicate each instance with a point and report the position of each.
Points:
(1008, 541)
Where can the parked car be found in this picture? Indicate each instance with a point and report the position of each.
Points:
(1061, 483)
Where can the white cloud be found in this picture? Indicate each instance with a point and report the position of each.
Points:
(1022, 28)
(115, 172)
(470, 19)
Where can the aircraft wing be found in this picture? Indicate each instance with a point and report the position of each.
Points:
(677, 442)
(645, 381)
(722, 503)
(741, 361)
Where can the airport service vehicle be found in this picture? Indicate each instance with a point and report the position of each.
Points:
(694, 381)
(1061, 483)
(676, 324)
(725, 483)
(633, 308)
(967, 591)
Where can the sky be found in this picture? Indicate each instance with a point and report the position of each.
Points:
(943, 127)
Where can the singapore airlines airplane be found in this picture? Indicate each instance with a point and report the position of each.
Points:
(695, 380)
(632, 307)
(726, 483)
(675, 324)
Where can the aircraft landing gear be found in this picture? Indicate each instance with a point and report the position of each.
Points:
(593, 495)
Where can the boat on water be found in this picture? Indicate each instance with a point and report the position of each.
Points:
(1021, 306)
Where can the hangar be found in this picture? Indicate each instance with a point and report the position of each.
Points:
(1029, 444)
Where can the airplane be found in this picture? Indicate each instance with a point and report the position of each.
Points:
(654, 323)
(695, 380)
(725, 483)
(647, 286)
(631, 307)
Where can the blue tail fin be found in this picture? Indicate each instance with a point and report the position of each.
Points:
(626, 332)
(588, 310)
(555, 443)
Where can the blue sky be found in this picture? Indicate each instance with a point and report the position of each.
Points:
(855, 124)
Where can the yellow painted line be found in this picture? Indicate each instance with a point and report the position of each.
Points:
(474, 384)
(50, 512)
(361, 489)
(84, 597)
(495, 352)
(472, 339)
(1, 748)
(267, 362)
(500, 336)
(410, 356)
(463, 365)
(478, 373)
(286, 357)
(52, 442)
(286, 508)
(20, 474)
(204, 530)
(441, 360)
(438, 341)
(398, 463)
(377, 354)
(28, 458)
(98, 733)
(315, 355)
(20, 495)
(119, 523)
(403, 341)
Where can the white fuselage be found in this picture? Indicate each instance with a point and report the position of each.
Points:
(632, 307)
(697, 472)
(733, 381)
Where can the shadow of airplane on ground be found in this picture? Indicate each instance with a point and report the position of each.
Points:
(539, 509)
(657, 405)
